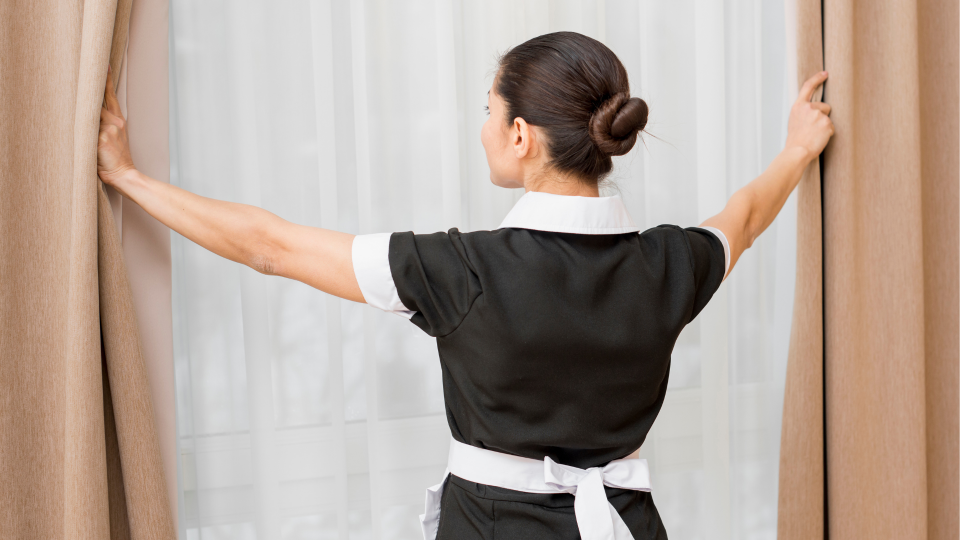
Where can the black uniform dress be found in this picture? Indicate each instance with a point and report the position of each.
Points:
(555, 333)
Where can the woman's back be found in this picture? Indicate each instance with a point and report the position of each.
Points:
(551, 343)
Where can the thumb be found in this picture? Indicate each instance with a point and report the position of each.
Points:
(110, 96)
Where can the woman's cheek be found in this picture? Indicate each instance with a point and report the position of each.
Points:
(483, 137)
(489, 147)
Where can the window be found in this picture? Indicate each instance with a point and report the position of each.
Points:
(304, 416)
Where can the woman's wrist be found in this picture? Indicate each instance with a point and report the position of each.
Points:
(798, 158)
(127, 181)
(799, 155)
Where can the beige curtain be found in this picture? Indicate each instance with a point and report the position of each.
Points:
(79, 456)
(870, 429)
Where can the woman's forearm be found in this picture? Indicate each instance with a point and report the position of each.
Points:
(232, 230)
(808, 130)
(768, 192)
(752, 208)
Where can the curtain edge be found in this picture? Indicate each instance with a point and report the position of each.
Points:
(145, 491)
(145, 241)
(801, 511)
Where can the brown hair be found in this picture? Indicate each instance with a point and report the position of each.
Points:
(575, 89)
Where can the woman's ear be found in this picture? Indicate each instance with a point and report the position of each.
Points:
(522, 138)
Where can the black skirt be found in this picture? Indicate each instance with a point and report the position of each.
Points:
(471, 511)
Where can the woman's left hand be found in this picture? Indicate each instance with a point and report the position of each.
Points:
(113, 148)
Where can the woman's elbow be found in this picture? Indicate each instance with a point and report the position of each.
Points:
(263, 250)
(751, 232)
(754, 224)
(263, 263)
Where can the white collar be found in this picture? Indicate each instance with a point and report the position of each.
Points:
(570, 214)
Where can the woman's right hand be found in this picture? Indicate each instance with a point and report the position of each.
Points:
(113, 148)
(810, 126)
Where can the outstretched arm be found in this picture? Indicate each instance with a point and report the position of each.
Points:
(242, 233)
(753, 207)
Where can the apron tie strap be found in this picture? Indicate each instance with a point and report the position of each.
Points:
(597, 519)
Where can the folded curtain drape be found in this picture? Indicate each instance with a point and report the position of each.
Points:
(870, 429)
(79, 456)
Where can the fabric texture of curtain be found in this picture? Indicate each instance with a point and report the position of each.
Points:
(79, 456)
(304, 416)
(870, 436)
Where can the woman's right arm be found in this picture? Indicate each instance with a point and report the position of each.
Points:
(753, 207)
(242, 233)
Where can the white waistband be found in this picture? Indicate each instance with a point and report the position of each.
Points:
(597, 519)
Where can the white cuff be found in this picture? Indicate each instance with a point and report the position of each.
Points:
(726, 248)
(371, 266)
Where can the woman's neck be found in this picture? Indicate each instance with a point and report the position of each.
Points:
(560, 184)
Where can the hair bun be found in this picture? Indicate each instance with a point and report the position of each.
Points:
(615, 125)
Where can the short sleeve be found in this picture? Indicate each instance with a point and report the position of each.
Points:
(434, 278)
(726, 248)
(371, 266)
(688, 266)
(709, 259)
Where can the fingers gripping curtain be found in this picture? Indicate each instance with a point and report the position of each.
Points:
(870, 427)
(79, 456)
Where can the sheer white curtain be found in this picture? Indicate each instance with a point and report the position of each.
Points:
(304, 416)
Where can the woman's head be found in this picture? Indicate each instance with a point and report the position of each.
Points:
(559, 103)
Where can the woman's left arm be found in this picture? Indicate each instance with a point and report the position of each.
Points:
(753, 207)
(242, 233)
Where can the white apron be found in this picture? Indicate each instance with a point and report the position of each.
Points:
(597, 519)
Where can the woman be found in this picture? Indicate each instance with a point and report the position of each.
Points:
(555, 330)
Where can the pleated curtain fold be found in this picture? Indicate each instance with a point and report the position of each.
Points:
(869, 445)
(79, 455)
